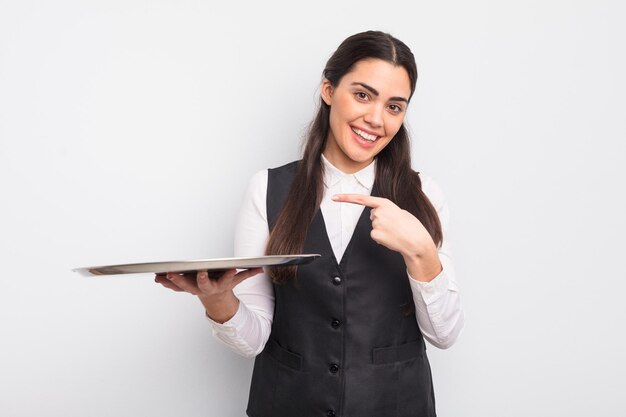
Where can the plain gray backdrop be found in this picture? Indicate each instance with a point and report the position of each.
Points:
(129, 131)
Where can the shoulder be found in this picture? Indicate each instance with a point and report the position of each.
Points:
(268, 179)
(262, 175)
(258, 180)
(282, 176)
(289, 168)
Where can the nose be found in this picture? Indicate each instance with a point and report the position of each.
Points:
(374, 116)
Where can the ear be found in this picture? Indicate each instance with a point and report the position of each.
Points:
(326, 91)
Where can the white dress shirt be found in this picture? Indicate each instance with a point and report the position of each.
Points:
(437, 303)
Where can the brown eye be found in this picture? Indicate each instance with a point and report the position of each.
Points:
(395, 108)
(362, 96)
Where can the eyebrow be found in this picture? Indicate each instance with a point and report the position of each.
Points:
(376, 93)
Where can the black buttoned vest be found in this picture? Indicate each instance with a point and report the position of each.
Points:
(344, 340)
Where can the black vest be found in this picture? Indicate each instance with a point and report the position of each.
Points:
(344, 340)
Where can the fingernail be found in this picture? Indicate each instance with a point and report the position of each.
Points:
(335, 197)
(203, 275)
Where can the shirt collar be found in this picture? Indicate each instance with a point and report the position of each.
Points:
(365, 177)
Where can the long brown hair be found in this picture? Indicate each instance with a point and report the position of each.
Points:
(395, 180)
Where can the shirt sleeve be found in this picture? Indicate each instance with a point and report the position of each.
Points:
(438, 306)
(248, 330)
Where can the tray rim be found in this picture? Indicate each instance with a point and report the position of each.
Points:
(243, 262)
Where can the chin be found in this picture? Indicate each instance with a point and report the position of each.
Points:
(362, 157)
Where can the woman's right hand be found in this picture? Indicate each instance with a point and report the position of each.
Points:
(216, 295)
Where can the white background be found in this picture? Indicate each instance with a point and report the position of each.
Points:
(129, 130)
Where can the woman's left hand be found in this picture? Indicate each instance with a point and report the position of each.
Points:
(399, 230)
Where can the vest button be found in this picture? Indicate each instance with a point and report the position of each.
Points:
(337, 280)
(330, 413)
(335, 323)
(333, 368)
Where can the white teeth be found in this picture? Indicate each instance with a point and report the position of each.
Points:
(364, 135)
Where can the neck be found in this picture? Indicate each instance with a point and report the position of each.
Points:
(344, 164)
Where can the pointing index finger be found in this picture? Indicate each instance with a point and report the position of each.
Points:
(362, 199)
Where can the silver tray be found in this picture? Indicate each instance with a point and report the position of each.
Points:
(216, 265)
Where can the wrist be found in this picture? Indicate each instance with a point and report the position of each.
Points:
(220, 308)
(424, 267)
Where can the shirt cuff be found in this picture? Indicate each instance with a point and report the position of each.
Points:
(430, 291)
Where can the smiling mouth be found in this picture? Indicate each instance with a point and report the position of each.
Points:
(364, 135)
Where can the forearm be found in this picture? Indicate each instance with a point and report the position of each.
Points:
(436, 294)
(247, 331)
(438, 308)
(243, 319)
(249, 328)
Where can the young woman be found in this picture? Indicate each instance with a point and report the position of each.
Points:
(344, 335)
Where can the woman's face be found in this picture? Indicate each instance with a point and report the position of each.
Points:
(367, 109)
